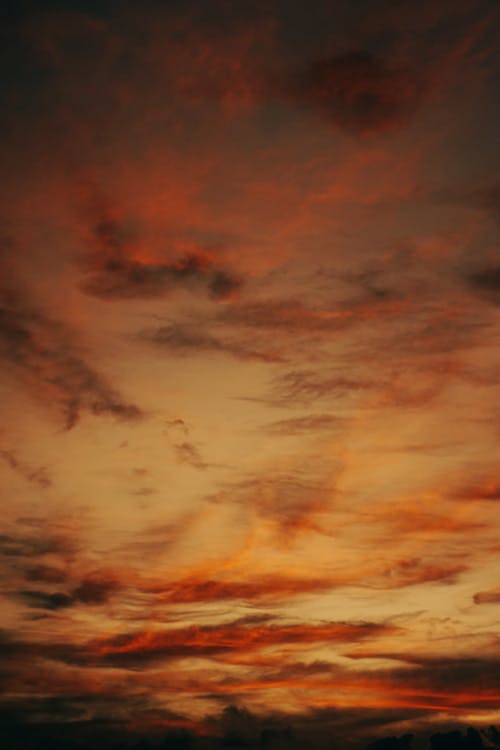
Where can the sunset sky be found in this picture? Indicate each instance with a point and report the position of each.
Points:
(250, 347)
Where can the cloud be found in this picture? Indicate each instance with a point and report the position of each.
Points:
(45, 573)
(415, 571)
(311, 423)
(35, 545)
(263, 588)
(35, 475)
(190, 340)
(117, 267)
(94, 590)
(485, 197)
(143, 649)
(286, 315)
(136, 649)
(359, 92)
(293, 317)
(487, 597)
(486, 488)
(43, 600)
(187, 453)
(42, 569)
(292, 501)
(306, 386)
(486, 282)
(96, 718)
(41, 351)
(90, 591)
(234, 727)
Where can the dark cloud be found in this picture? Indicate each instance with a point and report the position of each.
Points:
(41, 351)
(94, 590)
(360, 93)
(377, 282)
(355, 727)
(35, 475)
(223, 284)
(39, 569)
(114, 268)
(90, 591)
(463, 681)
(82, 720)
(189, 340)
(460, 668)
(45, 573)
(486, 282)
(43, 600)
(35, 545)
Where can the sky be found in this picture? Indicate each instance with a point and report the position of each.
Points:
(249, 343)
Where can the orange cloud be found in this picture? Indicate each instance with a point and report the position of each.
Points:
(487, 489)
(266, 588)
(146, 645)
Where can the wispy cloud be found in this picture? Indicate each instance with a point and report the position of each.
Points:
(35, 475)
(41, 351)
(309, 424)
(190, 340)
(141, 648)
(187, 453)
(302, 387)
